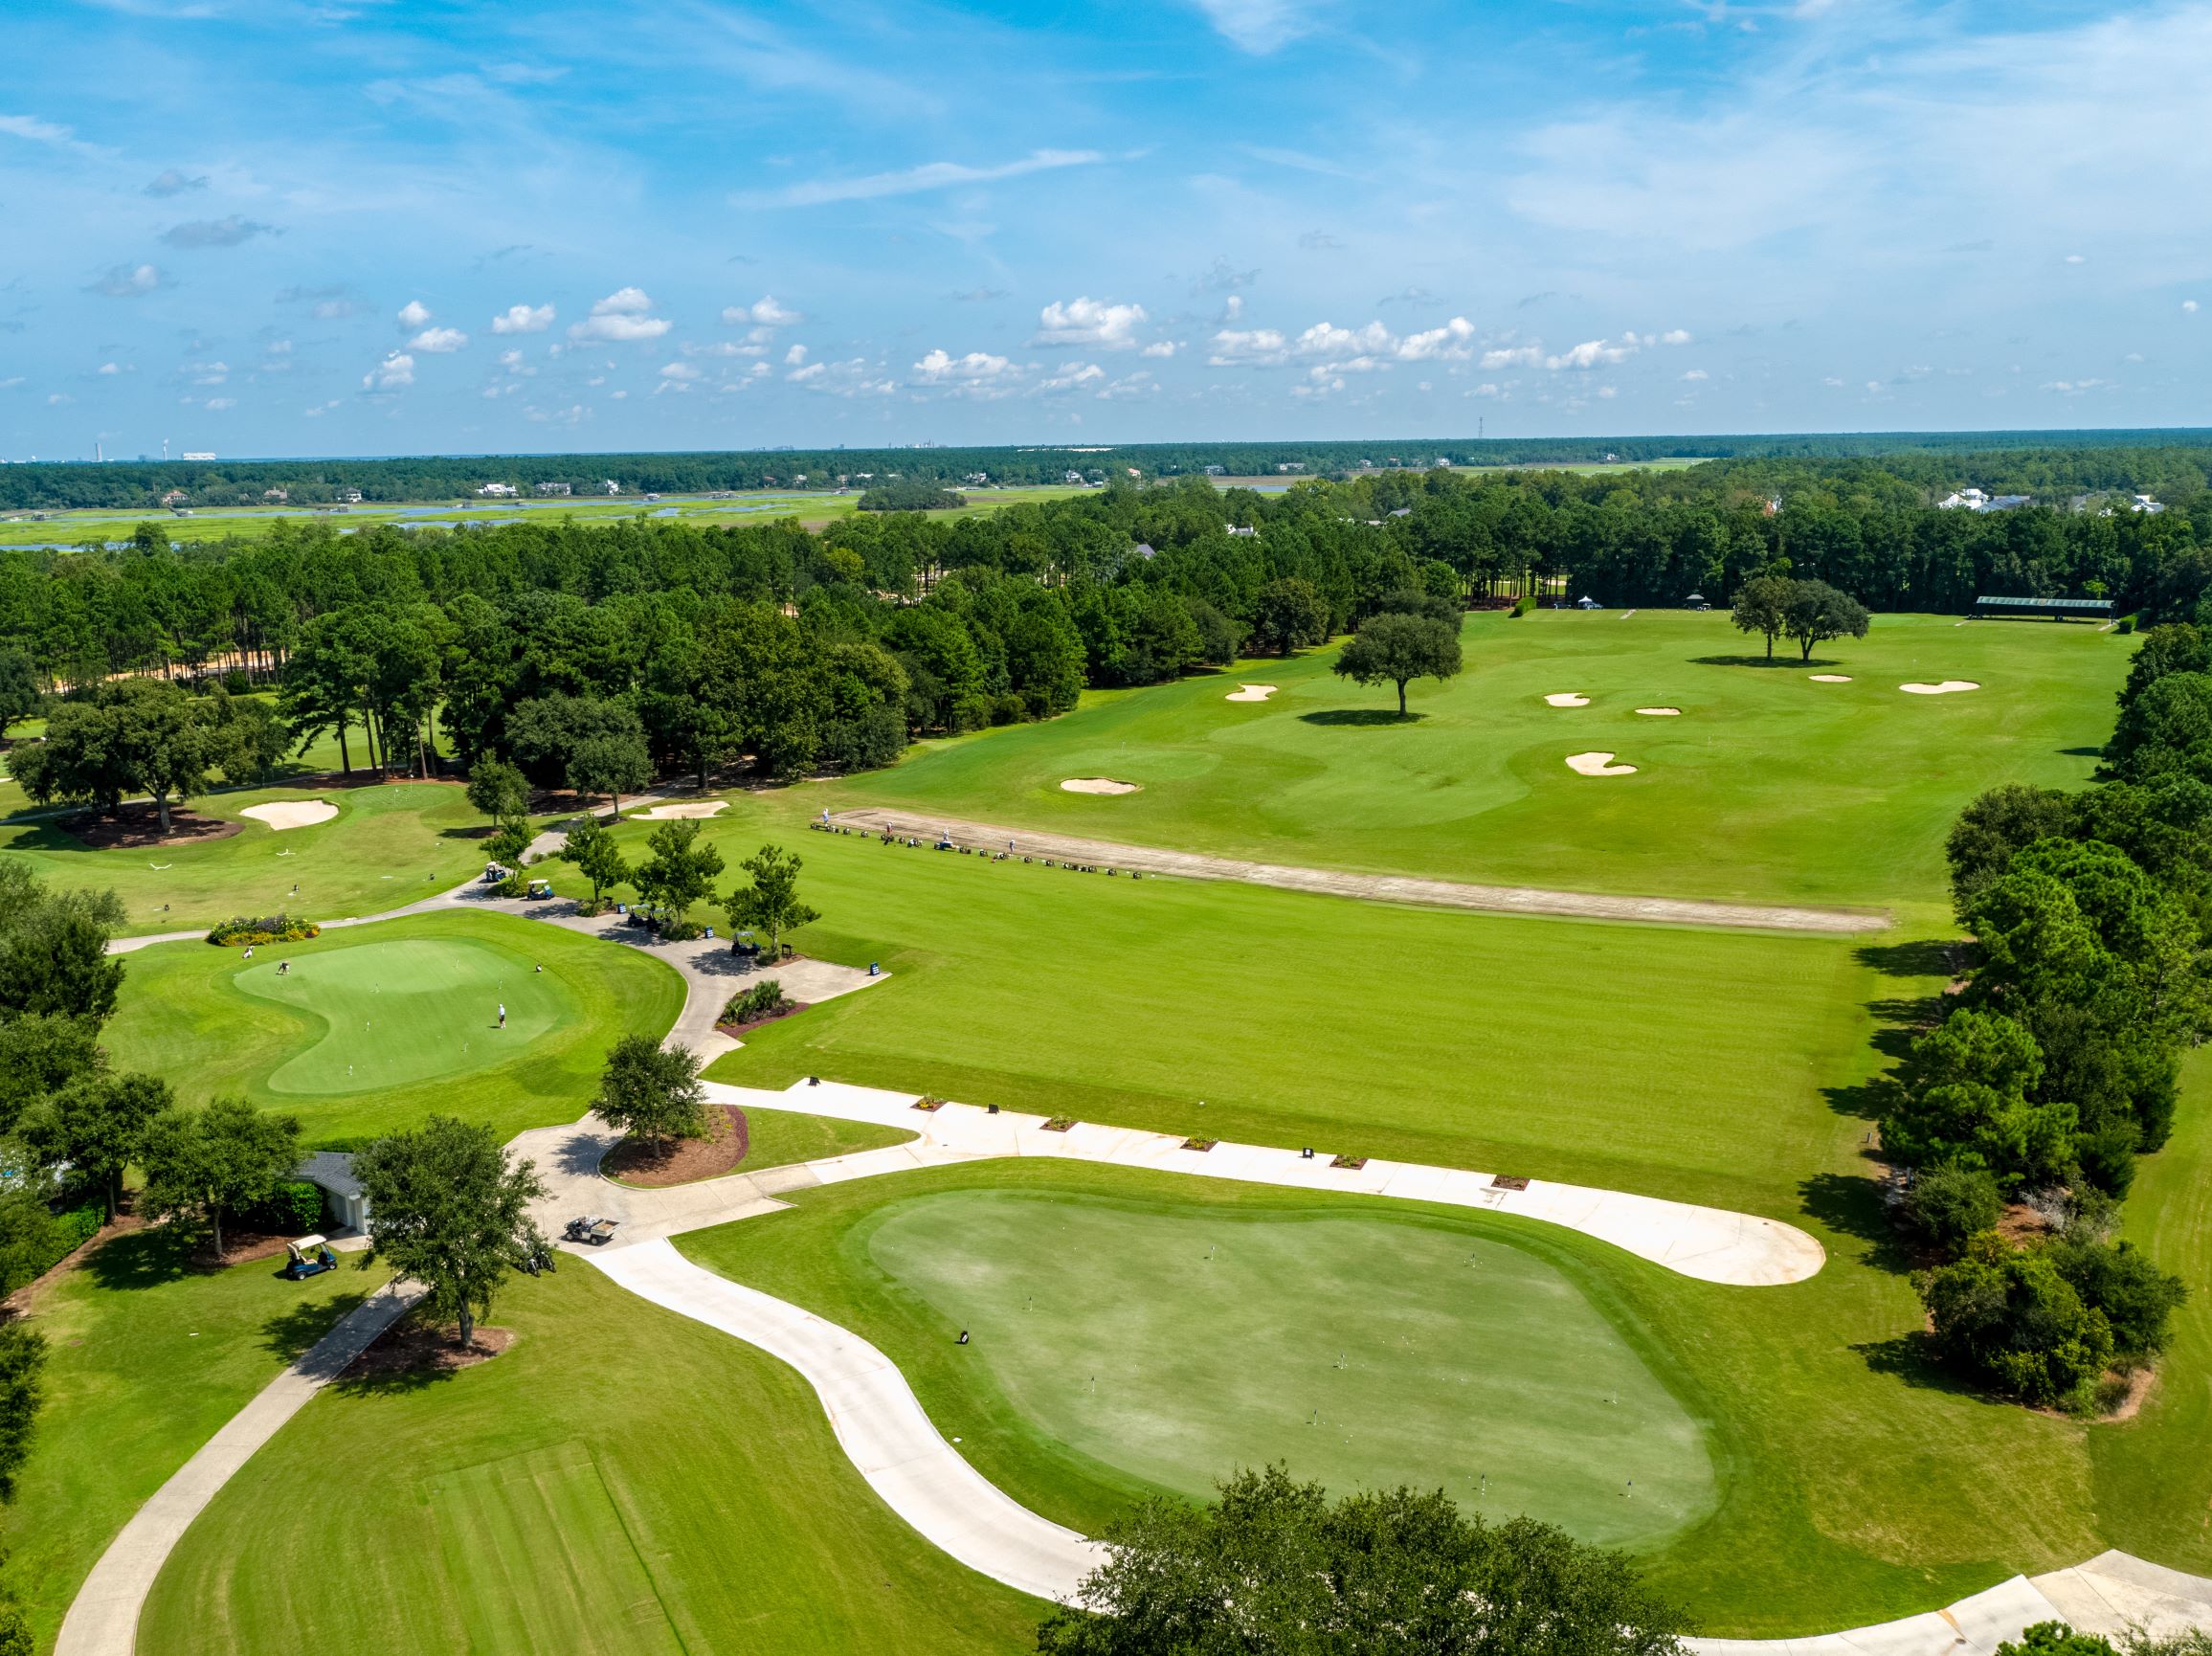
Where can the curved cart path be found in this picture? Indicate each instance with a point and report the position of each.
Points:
(1376, 888)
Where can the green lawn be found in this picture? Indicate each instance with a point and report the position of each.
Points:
(1767, 787)
(782, 1137)
(1613, 1055)
(622, 1482)
(376, 1027)
(147, 1357)
(389, 844)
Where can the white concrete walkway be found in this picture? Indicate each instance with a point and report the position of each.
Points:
(102, 1620)
(878, 1424)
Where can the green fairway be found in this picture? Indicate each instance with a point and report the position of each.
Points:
(389, 846)
(622, 1482)
(407, 1009)
(1172, 1344)
(373, 1026)
(1766, 787)
(147, 1357)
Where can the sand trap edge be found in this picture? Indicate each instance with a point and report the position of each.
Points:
(283, 813)
(1250, 693)
(1598, 765)
(1097, 785)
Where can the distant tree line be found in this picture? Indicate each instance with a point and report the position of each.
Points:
(2057, 1062)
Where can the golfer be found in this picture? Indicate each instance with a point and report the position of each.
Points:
(503, 1015)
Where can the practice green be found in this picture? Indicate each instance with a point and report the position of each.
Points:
(1175, 1344)
(407, 1010)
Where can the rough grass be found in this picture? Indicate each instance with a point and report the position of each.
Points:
(621, 1481)
(408, 1006)
(148, 1355)
(782, 1137)
(389, 846)
(1769, 787)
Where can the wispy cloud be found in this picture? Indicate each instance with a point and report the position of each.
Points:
(127, 281)
(227, 232)
(913, 180)
(1258, 26)
(171, 182)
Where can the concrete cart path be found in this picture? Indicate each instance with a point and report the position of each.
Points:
(878, 1422)
(1376, 888)
(102, 1620)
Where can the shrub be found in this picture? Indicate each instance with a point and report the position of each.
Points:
(2013, 1323)
(2125, 625)
(2056, 1639)
(2137, 1298)
(242, 930)
(1949, 1204)
(294, 1208)
(1524, 605)
(763, 999)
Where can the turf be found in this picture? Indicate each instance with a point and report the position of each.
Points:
(389, 844)
(408, 1007)
(783, 1137)
(621, 1481)
(1768, 787)
(1172, 1343)
(148, 1355)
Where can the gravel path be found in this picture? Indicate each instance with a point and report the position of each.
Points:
(1376, 887)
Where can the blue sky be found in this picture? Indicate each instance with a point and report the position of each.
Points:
(353, 227)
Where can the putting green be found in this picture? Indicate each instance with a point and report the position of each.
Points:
(1175, 1344)
(407, 1010)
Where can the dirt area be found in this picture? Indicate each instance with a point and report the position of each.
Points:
(683, 1160)
(2021, 1225)
(738, 1031)
(2130, 1402)
(139, 828)
(411, 1346)
(1378, 888)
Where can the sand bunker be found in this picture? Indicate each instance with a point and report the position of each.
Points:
(1097, 785)
(1831, 678)
(1949, 687)
(283, 813)
(1598, 765)
(1568, 699)
(1661, 712)
(1252, 693)
(681, 808)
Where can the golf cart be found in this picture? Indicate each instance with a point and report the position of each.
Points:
(494, 873)
(308, 1257)
(540, 890)
(598, 1232)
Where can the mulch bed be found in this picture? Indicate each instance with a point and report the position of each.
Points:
(683, 1160)
(735, 1030)
(410, 1347)
(139, 828)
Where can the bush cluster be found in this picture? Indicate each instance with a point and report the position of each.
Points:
(763, 999)
(293, 1208)
(240, 930)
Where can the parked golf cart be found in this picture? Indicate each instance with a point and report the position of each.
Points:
(598, 1232)
(308, 1257)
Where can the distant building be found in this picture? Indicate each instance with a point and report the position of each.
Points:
(1290, 465)
(556, 489)
(2145, 503)
(198, 454)
(497, 491)
(351, 497)
(1963, 499)
(609, 487)
(1242, 529)
(1072, 476)
(1401, 511)
(1217, 471)
(331, 1171)
(175, 498)
(1143, 550)
(280, 496)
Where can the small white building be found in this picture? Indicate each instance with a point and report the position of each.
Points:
(331, 1171)
(2146, 505)
(609, 487)
(556, 489)
(497, 491)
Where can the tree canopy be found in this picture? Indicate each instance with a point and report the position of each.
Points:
(1397, 648)
(449, 1211)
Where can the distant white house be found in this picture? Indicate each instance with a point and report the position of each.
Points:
(497, 491)
(279, 495)
(609, 487)
(1217, 471)
(175, 498)
(198, 454)
(1242, 529)
(1290, 465)
(1072, 476)
(351, 497)
(2145, 503)
(1401, 511)
(1967, 500)
(556, 489)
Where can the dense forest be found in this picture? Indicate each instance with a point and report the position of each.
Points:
(2033, 462)
(798, 649)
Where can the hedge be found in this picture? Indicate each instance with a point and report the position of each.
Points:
(265, 928)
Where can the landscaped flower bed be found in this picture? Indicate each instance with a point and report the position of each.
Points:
(242, 931)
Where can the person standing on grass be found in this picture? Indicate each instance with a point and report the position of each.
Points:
(503, 1015)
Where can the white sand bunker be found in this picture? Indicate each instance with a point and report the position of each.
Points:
(1661, 712)
(1097, 785)
(1252, 693)
(683, 808)
(283, 813)
(1949, 688)
(1831, 678)
(1568, 699)
(1598, 765)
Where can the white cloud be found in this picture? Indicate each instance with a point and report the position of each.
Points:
(33, 129)
(414, 313)
(2189, 307)
(128, 280)
(1092, 322)
(1513, 356)
(109, 368)
(512, 362)
(438, 341)
(795, 356)
(394, 371)
(220, 403)
(1675, 336)
(764, 310)
(683, 372)
(941, 367)
(621, 318)
(1258, 26)
(1255, 347)
(1590, 353)
(59, 399)
(1159, 347)
(171, 182)
(1606, 391)
(1325, 339)
(1074, 376)
(1454, 342)
(933, 175)
(811, 371)
(208, 372)
(523, 318)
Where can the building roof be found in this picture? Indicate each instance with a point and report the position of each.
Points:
(2102, 605)
(332, 1169)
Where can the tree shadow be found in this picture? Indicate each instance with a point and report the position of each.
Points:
(1925, 957)
(1806, 664)
(291, 1333)
(1912, 1357)
(1851, 1204)
(362, 1380)
(2083, 753)
(143, 1259)
(1359, 718)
